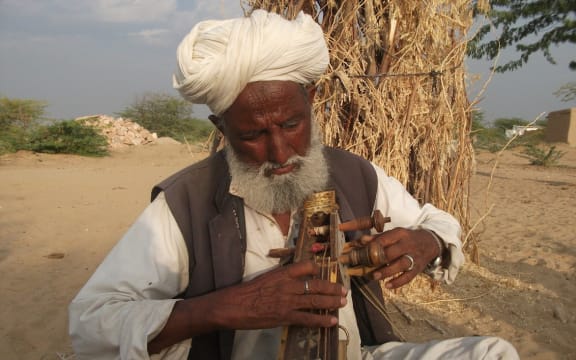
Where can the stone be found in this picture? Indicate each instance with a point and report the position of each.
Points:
(560, 313)
(120, 132)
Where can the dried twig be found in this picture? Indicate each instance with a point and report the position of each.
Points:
(455, 299)
(66, 356)
(404, 313)
(435, 327)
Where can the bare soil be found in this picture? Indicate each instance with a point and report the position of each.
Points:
(61, 214)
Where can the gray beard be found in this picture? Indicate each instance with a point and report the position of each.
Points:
(276, 194)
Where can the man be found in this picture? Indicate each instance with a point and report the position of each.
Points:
(192, 277)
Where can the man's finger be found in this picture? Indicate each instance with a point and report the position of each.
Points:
(324, 287)
(313, 320)
(391, 237)
(319, 302)
(403, 264)
(301, 269)
(401, 280)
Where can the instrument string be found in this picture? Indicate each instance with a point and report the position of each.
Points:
(362, 285)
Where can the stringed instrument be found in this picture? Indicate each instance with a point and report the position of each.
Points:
(321, 239)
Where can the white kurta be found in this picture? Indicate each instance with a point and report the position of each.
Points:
(128, 299)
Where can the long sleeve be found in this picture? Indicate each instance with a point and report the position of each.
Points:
(394, 201)
(128, 299)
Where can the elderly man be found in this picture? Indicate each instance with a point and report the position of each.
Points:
(191, 278)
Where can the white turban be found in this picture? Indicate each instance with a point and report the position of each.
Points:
(219, 57)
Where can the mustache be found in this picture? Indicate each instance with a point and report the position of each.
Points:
(267, 168)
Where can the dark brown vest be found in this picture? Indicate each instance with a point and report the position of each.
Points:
(212, 223)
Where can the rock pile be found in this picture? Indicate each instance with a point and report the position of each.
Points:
(120, 132)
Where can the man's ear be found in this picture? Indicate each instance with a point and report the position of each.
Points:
(218, 122)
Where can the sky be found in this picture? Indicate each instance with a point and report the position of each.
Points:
(85, 57)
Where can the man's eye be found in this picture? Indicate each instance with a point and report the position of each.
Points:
(250, 136)
(290, 124)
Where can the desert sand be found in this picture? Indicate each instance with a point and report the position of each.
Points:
(61, 214)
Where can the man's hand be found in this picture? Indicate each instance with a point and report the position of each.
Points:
(278, 298)
(408, 252)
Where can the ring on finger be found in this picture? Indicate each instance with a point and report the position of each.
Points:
(306, 287)
(411, 259)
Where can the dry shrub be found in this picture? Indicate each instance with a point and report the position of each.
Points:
(395, 90)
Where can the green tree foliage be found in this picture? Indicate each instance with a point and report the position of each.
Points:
(69, 137)
(508, 123)
(20, 112)
(23, 133)
(18, 117)
(493, 138)
(477, 121)
(167, 115)
(552, 22)
(567, 92)
(13, 138)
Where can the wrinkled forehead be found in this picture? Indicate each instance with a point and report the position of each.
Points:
(262, 97)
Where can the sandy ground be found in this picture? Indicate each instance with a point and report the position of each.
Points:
(60, 215)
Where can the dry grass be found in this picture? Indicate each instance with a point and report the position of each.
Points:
(394, 92)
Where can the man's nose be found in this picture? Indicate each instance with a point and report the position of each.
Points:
(279, 150)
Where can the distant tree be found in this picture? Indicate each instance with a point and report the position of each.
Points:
(477, 120)
(552, 21)
(17, 117)
(486, 137)
(20, 112)
(167, 115)
(508, 123)
(567, 92)
(158, 112)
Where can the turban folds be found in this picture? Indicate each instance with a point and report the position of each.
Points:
(218, 58)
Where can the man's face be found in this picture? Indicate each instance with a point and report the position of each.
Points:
(270, 121)
(274, 152)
